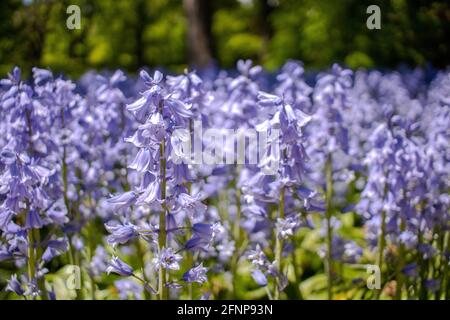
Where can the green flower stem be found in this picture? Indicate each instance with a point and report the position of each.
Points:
(296, 267)
(279, 243)
(189, 255)
(399, 268)
(72, 257)
(93, 288)
(31, 241)
(446, 261)
(329, 213)
(71, 253)
(140, 253)
(237, 235)
(381, 246)
(162, 218)
(66, 197)
(38, 255)
(31, 258)
(91, 246)
(269, 295)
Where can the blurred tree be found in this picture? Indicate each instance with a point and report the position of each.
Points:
(35, 24)
(165, 35)
(141, 22)
(9, 26)
(66, 50)
(172, 33)
(25, 26)
(113, 33)
(235, 31)
(198, 13)
(265, 9)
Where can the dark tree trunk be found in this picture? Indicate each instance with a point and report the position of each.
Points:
(198, 13)
(141, 20)
(37, 18)
(265, 9)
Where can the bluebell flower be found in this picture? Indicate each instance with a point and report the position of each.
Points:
(292, 86)
(178, 108)
(259, 277)
(258, 257)
(121, 233)
(206, 296)
(203, 235)
(151, 196)
(99, 262)
(142, 161)
(57, 213)
(196, 274)
(6, 217)
(410, 270)
(15, 286)
(173, 285)
(408, 238)
(33, 220)
(154, 128)
(122, 200)
(245, 67)
(285, 226)
(432, 284)
(150, 98)
(55, 248)
(118, 266)
(41, 75)
(197, 243)
(190, 205)
(129, 289)
(168, 259)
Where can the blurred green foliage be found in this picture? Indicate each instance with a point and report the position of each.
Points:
(131, 34)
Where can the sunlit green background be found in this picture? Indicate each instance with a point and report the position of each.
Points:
(131, 34)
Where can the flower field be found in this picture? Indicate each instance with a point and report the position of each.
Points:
(225, 184)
